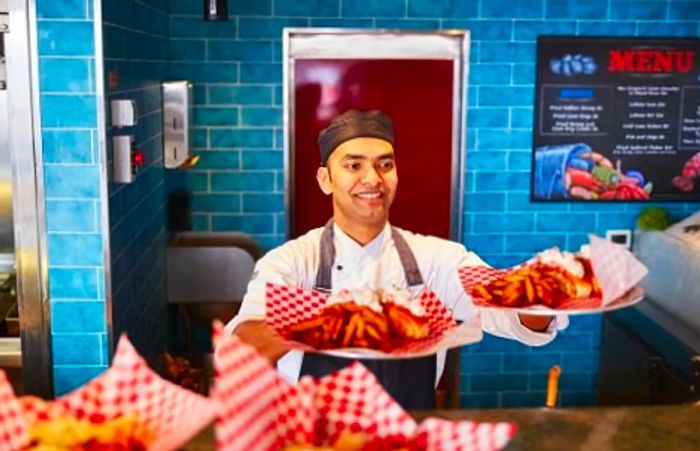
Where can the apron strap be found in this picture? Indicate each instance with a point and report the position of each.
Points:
(327, 257)
(323, 276)
(408, 260)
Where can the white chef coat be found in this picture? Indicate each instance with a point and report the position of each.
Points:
(377, 265)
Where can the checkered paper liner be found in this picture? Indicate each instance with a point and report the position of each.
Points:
(13, 426)
(260, 411)
(257, 409)
(171, 413)
(615, 267)
(287, 306)
(439, 434)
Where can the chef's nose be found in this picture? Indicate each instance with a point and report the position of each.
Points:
(371, 176)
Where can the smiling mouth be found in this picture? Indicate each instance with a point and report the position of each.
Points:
(370, 196)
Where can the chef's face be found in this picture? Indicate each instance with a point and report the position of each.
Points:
(361, 176)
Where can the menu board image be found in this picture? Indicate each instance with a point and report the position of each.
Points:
(616, 119)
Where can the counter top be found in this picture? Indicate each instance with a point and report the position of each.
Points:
(674, 428)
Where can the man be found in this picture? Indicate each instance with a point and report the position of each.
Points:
(358, 248)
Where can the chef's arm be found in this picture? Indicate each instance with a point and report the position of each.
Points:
(510, 325)
(263, 338)
(249, 324)
(536, 323)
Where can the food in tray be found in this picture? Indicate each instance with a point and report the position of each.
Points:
(364, 318)
(555, 277)
(86, 434)
(358, 441)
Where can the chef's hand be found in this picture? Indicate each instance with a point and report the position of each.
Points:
(264, 339)
(536, 323)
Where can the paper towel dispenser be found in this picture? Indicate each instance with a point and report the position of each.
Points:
(177, 125)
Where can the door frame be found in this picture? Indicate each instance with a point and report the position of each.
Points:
(24, 142)
(342, 43)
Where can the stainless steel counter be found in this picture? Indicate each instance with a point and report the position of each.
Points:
(10, 353)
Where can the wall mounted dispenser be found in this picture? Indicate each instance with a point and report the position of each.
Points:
(123, 112)
(126, 160)
(177, 124)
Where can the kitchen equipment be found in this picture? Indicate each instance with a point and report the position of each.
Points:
(650, 353)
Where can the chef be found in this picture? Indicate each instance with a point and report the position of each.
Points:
(359, 248)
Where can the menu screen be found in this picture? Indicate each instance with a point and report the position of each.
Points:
(617, 119)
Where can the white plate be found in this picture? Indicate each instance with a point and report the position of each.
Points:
(464, 334)
(371, 354)
(359, 353)
(630, 298)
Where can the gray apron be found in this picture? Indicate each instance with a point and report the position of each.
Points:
(410, 382)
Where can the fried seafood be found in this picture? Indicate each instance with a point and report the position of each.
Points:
(363, 319)
(74, 434)
(551, 281)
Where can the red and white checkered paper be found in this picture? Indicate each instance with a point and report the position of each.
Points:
(287, 306)
(260, 411)
(13, 426)
(615, 267)
(173, 414)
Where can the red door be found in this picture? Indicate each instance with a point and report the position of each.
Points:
(417, 95)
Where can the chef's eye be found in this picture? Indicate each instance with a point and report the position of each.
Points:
(353, 166)
(386, 165)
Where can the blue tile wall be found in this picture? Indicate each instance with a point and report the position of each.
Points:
(258, 8)
(684, 10)
(323, 8)
(581, 10)
(68, 110)
(52, 33)
(137, 221)
(634, 10)
(442, 8)
(72, 186)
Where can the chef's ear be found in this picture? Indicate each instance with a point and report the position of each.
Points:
(324, 180)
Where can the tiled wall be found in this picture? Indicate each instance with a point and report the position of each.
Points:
(73, 186)
(135, 61)
(76, 183)
(238, 183)
(236, 66)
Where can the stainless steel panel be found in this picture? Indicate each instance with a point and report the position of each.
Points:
(177, 122)
(320, 43)
(3, 74)
(24, 142)
(10, 353)
(6, 232)
(102, 159)
(208, 274)
(4, 27)
(6, 229)
(674, 271)
(206, 267)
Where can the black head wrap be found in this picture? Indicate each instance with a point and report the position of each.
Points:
(354, 124)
